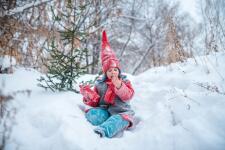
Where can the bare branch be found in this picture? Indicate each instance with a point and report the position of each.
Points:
(143, 58)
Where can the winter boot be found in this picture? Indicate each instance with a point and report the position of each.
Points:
(112, 126)
(97, 116)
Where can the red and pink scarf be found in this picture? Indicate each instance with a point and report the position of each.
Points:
(110, 93)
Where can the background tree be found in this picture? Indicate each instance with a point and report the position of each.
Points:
(213, 25)
(24, 30)
(103, 13)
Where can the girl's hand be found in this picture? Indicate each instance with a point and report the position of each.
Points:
(116, 81)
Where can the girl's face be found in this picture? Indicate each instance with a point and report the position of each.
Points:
(112, 72)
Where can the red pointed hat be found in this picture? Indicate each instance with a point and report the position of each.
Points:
(108, 56)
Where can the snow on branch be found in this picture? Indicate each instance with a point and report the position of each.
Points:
(22, 8)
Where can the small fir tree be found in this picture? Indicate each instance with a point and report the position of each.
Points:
(65, 65)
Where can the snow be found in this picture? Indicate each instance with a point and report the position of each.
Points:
(25, 45)
(6, 61)
(175, 112)
(191, 7)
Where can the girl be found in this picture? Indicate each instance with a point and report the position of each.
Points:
(111, 112)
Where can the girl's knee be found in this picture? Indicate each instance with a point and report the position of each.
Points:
(97, 116)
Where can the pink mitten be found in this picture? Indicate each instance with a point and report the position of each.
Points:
(88, 93)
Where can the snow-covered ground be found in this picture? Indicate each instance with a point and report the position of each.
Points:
(175, 111)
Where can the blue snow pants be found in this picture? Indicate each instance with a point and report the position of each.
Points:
(106, 125)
